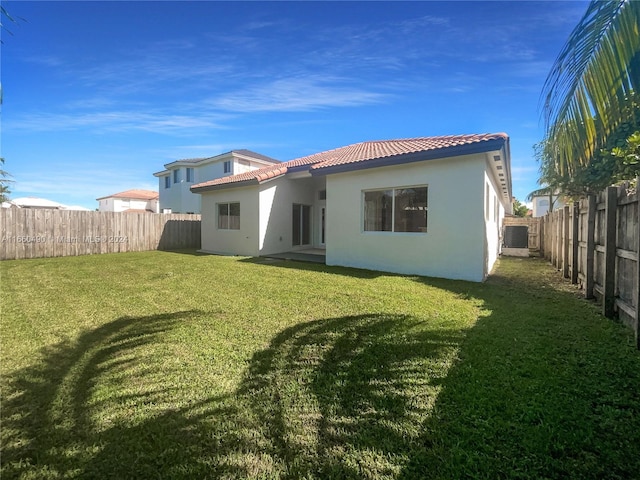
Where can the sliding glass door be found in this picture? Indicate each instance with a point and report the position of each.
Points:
(301, 225)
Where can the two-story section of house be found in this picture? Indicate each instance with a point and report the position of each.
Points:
(175, 181)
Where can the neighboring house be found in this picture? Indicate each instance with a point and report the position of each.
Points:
(130, 201)
(175, 181)
(35, 202)
(542, 205)
(427, 206)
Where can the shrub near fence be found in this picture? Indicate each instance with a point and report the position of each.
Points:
(37, 233)
(596, 243)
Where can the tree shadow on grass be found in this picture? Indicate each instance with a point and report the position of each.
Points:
(340, 397)
(58, 424)
(326, 399)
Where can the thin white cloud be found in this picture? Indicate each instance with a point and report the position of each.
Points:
(150, 74)
(114, 121)
(296, 94)
(49, 61)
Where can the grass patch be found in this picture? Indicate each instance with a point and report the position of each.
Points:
(169, 365)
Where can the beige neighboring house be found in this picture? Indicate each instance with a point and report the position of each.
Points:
(135, 201)
(175, 181)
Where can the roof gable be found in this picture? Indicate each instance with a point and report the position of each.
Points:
(249, 154)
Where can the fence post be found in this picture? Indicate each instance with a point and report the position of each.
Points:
(591, 246)
(565, 242)
(637, 292)
(541, 236)
(559, 220)
(576, 244)
(608, 302)
(554, 239)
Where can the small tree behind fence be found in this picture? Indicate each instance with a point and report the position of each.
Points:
(37, 233)
(596, 243)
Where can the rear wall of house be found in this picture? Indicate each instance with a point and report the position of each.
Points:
(494, 212)
(455, 243)
(231, 242)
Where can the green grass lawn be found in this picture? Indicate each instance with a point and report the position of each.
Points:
(181, 366)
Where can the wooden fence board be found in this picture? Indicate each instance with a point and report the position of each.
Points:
(604, 244)
(611, 229)
(575, 237)
(37, 233)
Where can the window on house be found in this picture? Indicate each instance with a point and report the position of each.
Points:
(227, 166)
(229, 216)
(176, 175)
(167, 181)
(396, 210)
(189, 174)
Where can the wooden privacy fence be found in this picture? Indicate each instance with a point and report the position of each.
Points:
(37, 233)
(596, 243)
(533, 229)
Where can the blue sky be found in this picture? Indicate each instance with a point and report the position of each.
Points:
(100, 95)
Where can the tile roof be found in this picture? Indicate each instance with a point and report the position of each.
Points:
(135, 193)
(358, 154)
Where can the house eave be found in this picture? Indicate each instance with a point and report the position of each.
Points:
(224, 186)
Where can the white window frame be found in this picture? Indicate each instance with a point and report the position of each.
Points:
(226, 166)
(176, 175)
(167, 181)
(228, 226)
(393, 211)
(190, 173)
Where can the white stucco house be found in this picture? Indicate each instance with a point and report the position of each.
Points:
(175, 181)
(130, 201)
(37, 202)
(428, 206)
(542, 204)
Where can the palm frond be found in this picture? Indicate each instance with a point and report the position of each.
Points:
(586, 94)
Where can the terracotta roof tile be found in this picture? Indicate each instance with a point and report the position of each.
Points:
(135, 193)
(362, 152)
(356, 153)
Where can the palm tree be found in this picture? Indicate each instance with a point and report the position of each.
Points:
(549, 181)
(4, 183)
(590, 89)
